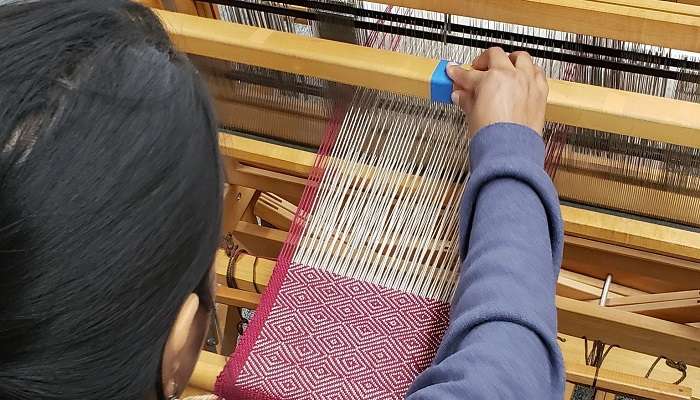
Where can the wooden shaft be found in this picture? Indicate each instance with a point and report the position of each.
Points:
(181, 6)
(260, 240)
(151, 3)
(237, 297)
(681, 311)
(640, 269)
(654, 298)
(249, 271)
(208, 367)
(617, 290)
(576, 290)
(362, 66)
(576, 104)
(642, 21)
(633, 233)
(275, 210)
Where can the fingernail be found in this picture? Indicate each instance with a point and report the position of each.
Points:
(450, 68)
(455, 98)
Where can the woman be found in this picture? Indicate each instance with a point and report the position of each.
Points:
(109, 204)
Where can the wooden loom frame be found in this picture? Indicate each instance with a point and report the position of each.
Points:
(662, 242)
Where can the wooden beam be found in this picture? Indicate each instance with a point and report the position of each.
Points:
(180, 6)
(574, 289)
(651, 22)
(586, 106)
(269, 156)
(259, 240)
(207, 369)
(599, 283)
(653, 298)
(363, 66)
(691, 2)
(249, 272)
(630, 363)
(613, 381)
(630, 331)
(633, 233)
(659, 5)
(237, 201)
(275, 210)
(680, 311)
(640, 269)
(237, 297)
(569, 390)
(288, 187)
(151, 3)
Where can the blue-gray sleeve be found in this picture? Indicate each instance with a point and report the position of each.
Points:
(501, 342)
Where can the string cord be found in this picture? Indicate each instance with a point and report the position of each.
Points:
(681, 366)
(595, 358)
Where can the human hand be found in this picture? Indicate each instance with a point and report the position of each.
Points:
(501, 87)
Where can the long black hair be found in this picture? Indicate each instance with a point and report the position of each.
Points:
(109, 197)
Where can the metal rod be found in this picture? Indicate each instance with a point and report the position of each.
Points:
(606, 289)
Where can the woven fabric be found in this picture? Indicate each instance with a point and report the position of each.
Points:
(331, 337)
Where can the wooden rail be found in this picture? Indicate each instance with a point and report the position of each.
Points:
(576, 104)
(660, 23)
(654, 22)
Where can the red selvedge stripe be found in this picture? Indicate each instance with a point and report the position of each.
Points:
(247, 341)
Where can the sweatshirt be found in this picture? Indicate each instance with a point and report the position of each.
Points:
(502, 339)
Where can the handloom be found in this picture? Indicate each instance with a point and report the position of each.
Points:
(622, 149)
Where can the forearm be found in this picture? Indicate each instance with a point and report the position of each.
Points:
(501, 342)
